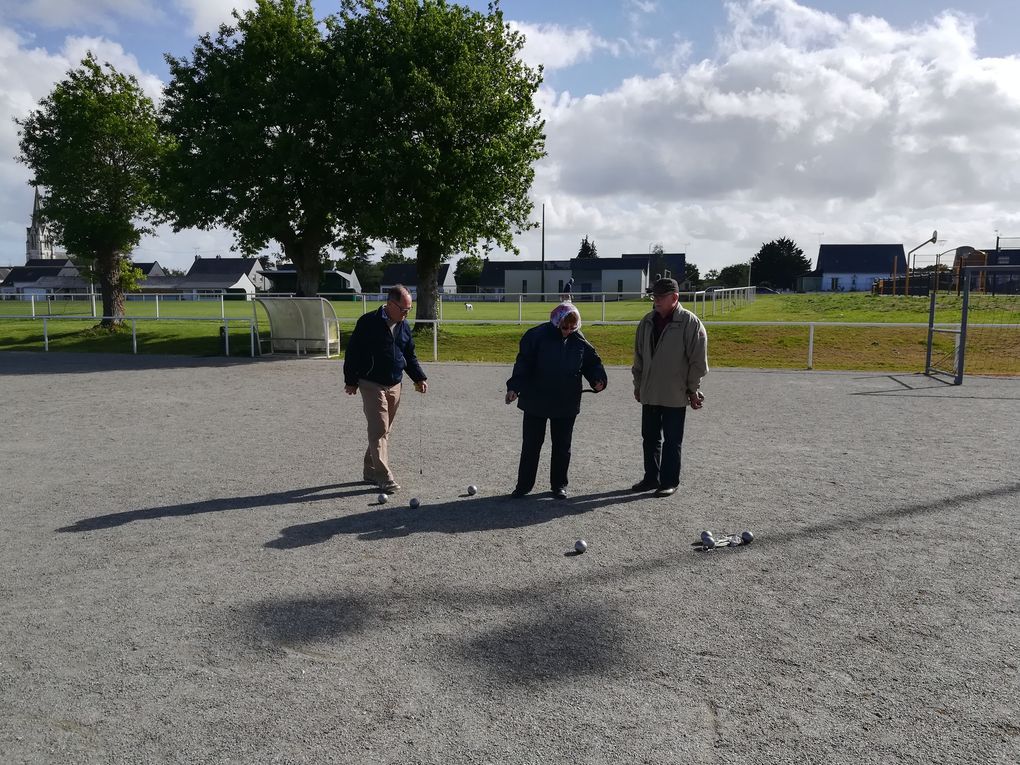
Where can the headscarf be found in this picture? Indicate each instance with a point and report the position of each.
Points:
(564, 309)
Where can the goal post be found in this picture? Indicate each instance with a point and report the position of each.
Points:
(988, 328)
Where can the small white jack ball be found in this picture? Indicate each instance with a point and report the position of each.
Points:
(382, 499)
(472, 490)
(747, 536)
(414, 503)
(580, 545)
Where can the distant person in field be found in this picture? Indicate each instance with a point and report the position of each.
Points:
(546, 384)
(568, 289)
(379, 350)
(670, 360)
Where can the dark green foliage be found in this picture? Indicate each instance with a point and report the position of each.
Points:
(95, 146)
(734, 276)
(468, 272)
(778, 264)
(587, 249)
(445, 107)
(259, 147)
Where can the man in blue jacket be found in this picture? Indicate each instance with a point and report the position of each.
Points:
(378, 351)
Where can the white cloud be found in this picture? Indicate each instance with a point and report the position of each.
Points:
(207, 15)
(802, 123)
(557, 47)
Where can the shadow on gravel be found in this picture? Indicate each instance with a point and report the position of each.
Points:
(70, 362)
(312, 494)
(561, 641)
(903, 511)
(454, 517)
(577, 641)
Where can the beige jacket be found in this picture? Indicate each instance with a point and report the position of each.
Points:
(680, 360)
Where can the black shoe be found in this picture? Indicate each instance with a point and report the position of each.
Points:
(645, 485)
(519, 492)
(560, 493)
(665, 491)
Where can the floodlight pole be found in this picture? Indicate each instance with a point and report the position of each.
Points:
(542, 299)
(906, 283)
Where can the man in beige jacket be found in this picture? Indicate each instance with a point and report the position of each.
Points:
(670, 359)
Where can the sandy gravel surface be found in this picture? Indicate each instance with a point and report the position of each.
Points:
(190, 572)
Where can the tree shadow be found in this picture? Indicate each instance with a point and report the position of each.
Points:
(39, 362)
(311, 494)
(451, 517)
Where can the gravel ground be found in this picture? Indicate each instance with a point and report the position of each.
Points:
(190, 572)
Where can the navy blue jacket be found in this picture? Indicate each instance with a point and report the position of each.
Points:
(547, 373)
(374, 353)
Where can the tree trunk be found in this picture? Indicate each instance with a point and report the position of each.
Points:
(108, 274)
(306, 254)
(429, 255)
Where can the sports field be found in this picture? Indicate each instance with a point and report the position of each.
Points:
(190, 572)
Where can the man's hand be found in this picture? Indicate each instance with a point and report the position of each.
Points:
(637, 395)
(697, 399)
(421, 387)
(511, 396)
(599, 386)
(350, 390)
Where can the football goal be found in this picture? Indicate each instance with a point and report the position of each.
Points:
(299, 325)
(984, 336)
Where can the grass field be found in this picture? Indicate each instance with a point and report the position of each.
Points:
(990, 351)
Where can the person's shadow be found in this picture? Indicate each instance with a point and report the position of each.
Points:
(310, 494)
(450, 517)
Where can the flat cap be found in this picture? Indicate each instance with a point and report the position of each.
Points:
(665, 287)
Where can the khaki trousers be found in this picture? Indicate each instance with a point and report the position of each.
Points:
(380, 403)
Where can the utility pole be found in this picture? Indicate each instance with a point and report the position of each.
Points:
(542, 299)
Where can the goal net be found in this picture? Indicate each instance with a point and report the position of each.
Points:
(975, 328)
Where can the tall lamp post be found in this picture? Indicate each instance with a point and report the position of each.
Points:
(542, 299)
(906, 283)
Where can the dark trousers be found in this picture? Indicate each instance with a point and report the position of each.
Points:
(562, 431)
(662, 433)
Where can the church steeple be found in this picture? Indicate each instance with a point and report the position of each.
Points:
(38, 242)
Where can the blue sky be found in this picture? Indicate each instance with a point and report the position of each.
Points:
(708, 126)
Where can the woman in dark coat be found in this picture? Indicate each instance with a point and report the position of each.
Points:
(546, 384)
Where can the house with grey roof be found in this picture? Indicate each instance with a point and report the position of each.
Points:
(333, 282)
(222, 275)
(854, 267)
(407, 274)
(628, 274)
(45, 275)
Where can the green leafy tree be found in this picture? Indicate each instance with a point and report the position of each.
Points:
(587, 249)
(711, 275)
(734, 276)
(468, 272)
(778, 264)
(95, 145)
(448, 108)
(691, 275)
(258, 148)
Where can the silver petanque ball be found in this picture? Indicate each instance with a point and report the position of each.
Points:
(382, 499)
(580, 545)
(747, 536)
(414, 503)
(472, 490)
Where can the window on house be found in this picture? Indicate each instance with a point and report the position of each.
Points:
(619, 285)
(524, 285)
(834, 284)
